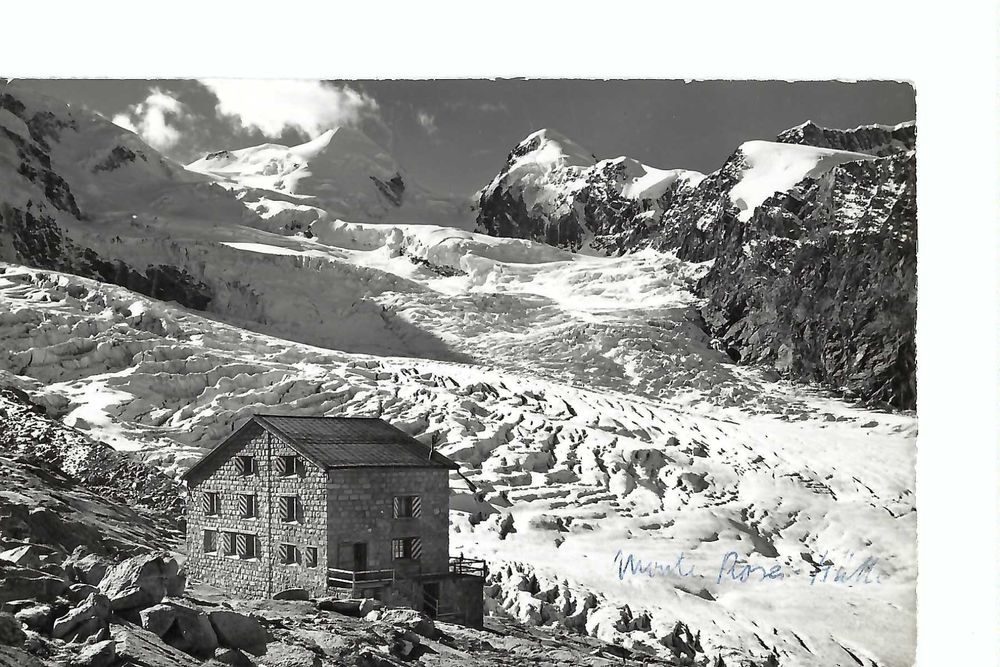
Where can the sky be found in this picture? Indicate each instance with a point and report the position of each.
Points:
(454, 135)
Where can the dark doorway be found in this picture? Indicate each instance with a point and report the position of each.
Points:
(360, 556)
(353, 556)
(432, 593)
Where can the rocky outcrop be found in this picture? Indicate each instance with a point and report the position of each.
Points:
(878, 140)
(141, 581)
(392, 189)
(818, 280)
(43, 444)
(30, 232)
(821, 282)
(552, 191)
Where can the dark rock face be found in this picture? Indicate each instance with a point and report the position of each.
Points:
(37, 240)
(392, 189)
(821, 282)
(30, 233)
(872, 139)
(695, 220)
(589, 206)
(118, 156)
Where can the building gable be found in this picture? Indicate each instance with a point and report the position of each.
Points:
(221, 453)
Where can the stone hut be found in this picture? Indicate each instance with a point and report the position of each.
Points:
(335, 506)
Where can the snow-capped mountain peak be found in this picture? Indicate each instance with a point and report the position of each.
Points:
(550, 176)
(771, 167)
(341, 173)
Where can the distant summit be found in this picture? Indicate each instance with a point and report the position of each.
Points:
(342, 173)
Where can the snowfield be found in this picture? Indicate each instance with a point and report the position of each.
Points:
(590, 413)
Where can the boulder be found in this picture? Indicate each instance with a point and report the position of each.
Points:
(19, 583)
(11, 633)
(14, 606)
(232, 656)
(99, 654)
(192, 633)
(411, 620)
(12, 657)
(27, 555)
(292, 594)
(38, 617)
(369, 658)
(86, 568)
(136, 646)
(80, 622)
(359, 607)
(158, 618)
(140, 581)
(177, 583)
(288, 655)
(78, 592)
(238, 631)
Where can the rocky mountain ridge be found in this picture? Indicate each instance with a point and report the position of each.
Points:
(844, 199)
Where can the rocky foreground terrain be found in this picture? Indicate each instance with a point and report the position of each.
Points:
(84, 582)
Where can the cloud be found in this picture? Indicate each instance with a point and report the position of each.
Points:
(426, 121)
(272, 106)
(156, 119)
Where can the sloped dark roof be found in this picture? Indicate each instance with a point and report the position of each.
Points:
(338, 442)
(348, 442)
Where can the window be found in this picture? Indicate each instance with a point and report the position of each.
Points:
(289, 465)
(289, 554)
(290, 509)
(246, 545)
(210, 502)
(229, 544)
(405, 507)
(312, 556)
(248, 505)
(244, 465)
(210, 541)
(406, 548)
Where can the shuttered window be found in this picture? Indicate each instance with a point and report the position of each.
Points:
(244, 465)
(210, 541)
(246, 545)
(288, 465)
(210, 502)
(248, 505)
(405, 507)
(312, 556)
(406, 548)
(290, 509)
(289, 554)
(229, 544)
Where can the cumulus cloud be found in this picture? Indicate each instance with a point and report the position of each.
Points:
(271, 106)
(426, 121)
(156, 119)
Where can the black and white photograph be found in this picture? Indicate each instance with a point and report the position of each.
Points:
(461, 371)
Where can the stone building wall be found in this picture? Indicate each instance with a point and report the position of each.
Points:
(360, 509)
(265, 575)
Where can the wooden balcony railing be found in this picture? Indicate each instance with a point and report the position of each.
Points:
(475, 567)
(338, 578)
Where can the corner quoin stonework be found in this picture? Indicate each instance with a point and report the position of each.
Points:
(265, 575)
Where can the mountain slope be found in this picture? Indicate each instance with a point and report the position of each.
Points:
(339, 174)
(554, 191)
(813, 246)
